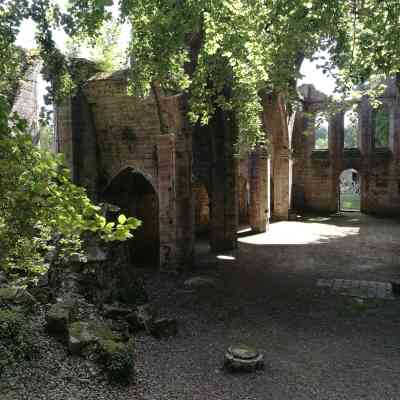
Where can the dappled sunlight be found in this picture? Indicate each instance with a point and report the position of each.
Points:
(226, 257)
(295, 233)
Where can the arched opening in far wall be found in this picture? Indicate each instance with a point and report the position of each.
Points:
(135, 196)
(349, 187)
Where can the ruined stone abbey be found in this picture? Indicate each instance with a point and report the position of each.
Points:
(183, 180)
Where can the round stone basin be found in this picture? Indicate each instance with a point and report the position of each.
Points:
(243, 358)
(243, 352)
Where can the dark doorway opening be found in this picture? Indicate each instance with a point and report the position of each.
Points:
(136, 197)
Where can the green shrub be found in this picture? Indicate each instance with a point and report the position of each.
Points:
(16, 339)
(119, 360)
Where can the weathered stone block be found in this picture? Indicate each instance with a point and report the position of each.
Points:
(58, 318)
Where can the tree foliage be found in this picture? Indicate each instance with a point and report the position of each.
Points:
(221, 52)
(41, 209)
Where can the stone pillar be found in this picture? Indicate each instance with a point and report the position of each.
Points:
(259, 191)
(64, 136)
(275, 122)
(336, 146)
(282, 183)
(185, 208)
(26, 103)
(167, 201)
(224, 183)
(366, 127)
(84, 151)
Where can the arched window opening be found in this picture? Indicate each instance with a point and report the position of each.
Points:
(381, 127)
(136, 197)
(351, 130)
(349, 190)
(321, 132)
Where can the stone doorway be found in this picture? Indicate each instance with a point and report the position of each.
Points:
(349, 187)
(136, 197)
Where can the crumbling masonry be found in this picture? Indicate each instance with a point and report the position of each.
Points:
(182, 180)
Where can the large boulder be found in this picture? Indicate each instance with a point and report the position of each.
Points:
(81, 334)
(164, 328)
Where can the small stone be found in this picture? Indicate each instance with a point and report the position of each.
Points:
(133, 321)
(79, 336)
(396, 287)
(243, 358)
(200, 282)
(146, 314)
(115, 312)
(164, 328)
(3, 279)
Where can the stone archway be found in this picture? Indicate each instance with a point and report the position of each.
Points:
(136, 197)
(349, 187)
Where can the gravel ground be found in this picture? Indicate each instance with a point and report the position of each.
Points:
(317, 345)
(54, 375)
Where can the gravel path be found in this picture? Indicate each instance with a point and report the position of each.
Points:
(54, 375)
(317, 345)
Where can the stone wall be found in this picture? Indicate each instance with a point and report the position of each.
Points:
(103, 132)
(317, 172)
(108, 137)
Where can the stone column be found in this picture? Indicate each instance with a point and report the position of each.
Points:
(184, 189)
(224, 183)
(366, 127)
(282, 183)
(335, 144)
(275, 122)
(394, 138)
(259, 191)
(64, 132)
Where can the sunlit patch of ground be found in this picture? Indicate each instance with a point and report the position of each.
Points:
(287, 233)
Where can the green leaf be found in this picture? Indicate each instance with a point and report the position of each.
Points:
(122, 219)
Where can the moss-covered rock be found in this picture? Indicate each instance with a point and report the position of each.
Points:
(16, 296)
(58, 318)
(82, 334)
(115, 355)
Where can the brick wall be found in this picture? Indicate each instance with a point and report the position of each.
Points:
(104, 132)
(317, 172)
